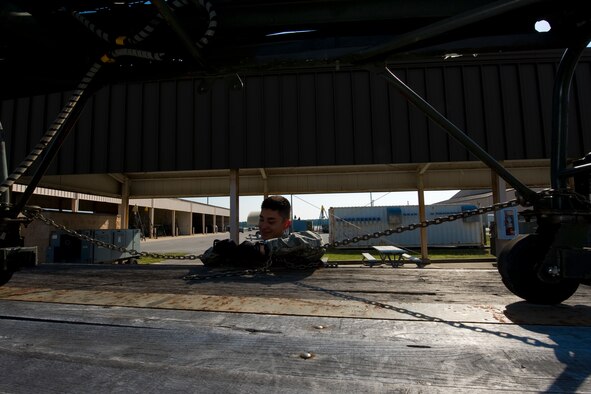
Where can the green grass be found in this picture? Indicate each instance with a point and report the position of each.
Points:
(152, 260)
(450, 253)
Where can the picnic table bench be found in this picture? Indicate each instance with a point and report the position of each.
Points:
(393, 255)
(368, 259)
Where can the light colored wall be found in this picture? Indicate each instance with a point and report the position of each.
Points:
(37, 233)
(184, 223)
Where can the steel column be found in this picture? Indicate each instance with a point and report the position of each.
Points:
(5, 197)
(422, 213)
(234, 205)
(560, 102)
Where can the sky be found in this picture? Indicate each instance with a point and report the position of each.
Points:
(307, 206)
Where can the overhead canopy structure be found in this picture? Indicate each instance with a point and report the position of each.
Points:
(301, 180)
(46, 45)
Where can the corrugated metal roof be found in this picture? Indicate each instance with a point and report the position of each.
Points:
(314, 118)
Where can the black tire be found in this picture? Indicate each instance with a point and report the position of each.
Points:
(5, 276)
(517, 265)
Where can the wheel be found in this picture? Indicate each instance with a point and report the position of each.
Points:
(5, 277)
(518, 262)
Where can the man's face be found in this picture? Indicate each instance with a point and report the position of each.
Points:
(271, 224)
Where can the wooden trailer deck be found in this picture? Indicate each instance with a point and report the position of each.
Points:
(74, 328)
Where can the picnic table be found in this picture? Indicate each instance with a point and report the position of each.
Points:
(391, 254)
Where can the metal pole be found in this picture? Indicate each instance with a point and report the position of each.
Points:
(423, 214)
(443, 26)
(124, 206)
(53, 149)
(560, 101)
(234, 205)
(460, 136)
(5, 198)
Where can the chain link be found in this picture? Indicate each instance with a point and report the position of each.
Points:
(426, 223)
(39, 216)
(36, 214)
(228, 274)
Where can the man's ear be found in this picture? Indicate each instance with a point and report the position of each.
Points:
(286, 224)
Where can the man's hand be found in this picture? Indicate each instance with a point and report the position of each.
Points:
(249, 253)
(224, 247)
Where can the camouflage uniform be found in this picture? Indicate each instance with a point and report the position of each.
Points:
(298, 249)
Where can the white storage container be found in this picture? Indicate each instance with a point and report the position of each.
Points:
(349, 222)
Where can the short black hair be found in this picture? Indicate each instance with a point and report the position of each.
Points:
(279, 204)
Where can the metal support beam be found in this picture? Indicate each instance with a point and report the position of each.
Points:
(124, 206)
(65, 123)
(560, 102)
(75, 203)
(499, 194)
(441, 27)
(191, 232)
(422, 213)
(234, 205)
(180, 31)
(152, 233)
(335, 179)
(265, 183)
(173, 223)
(460, 136)
(5, 197)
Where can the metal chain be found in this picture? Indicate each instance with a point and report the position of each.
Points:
(450, 218)
(36, 214)
(262, 270)
(235, 273)
(426, 223)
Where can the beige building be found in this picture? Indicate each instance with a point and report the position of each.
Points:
(156, 217)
